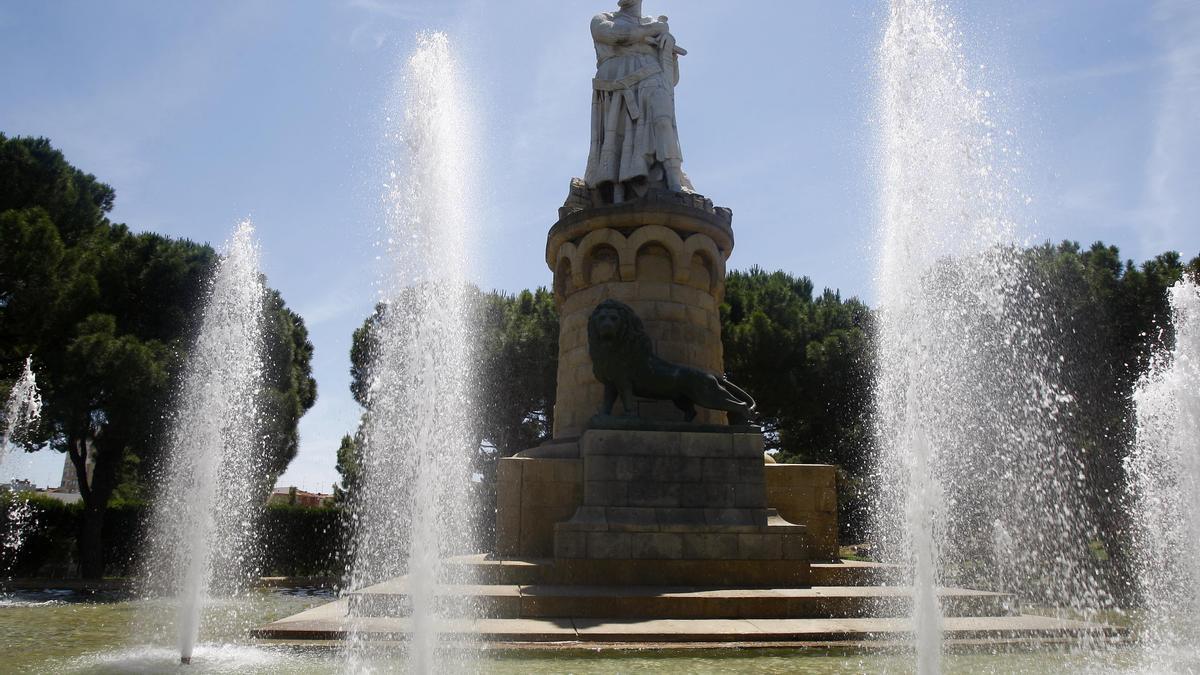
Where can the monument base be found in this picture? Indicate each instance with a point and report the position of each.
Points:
(676, 495)
(533, 494)
(694, 534)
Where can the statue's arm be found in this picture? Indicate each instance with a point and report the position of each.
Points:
(607, 31)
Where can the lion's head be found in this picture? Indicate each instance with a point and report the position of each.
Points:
(616, 332)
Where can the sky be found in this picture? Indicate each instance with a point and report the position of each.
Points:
(200, 114)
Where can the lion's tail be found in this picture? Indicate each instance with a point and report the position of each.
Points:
(741, 394)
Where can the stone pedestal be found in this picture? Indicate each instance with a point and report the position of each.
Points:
(532, 495)
(664, 256)
(675, 495)
(807, 494)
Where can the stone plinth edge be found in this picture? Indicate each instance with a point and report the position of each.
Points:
(630, 423)
(672, 208)
(673, 225)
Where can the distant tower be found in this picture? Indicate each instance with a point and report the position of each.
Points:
(70, 478)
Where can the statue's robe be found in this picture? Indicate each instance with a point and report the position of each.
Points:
(633, 107)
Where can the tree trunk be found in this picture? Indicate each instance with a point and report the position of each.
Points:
(96, 490)
(91, 542)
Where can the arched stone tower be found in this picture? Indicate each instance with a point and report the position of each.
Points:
(664, 255)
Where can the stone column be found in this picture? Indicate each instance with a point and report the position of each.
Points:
(664, 255)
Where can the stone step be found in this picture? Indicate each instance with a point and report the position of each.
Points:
(854, 573)
(480, 569)
(510, 601)
(330, 622)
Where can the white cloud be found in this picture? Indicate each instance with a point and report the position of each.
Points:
(369, 36)
(408, 10)
(1173, 171)
(382, 20)
(1097, 72)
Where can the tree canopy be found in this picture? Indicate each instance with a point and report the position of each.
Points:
(108, 316)
(806, 361)
(1105, 317)
(515, 361)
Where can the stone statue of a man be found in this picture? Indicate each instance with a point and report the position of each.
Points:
(635, 142)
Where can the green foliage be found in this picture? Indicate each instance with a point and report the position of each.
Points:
(33, 172)
(50, 538)
(302, 541)
(805, 360)
(515, 359)
(1109, 315)
(293, 540)
(290, 388)
(108, 316)
(518, 344)
(31, 277)
(349, 467)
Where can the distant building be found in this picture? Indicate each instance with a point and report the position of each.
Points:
(17, 485)
(60, 495)
(296, 497)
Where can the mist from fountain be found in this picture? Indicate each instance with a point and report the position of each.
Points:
(23, 408)
(22, 411)
(972, 469)
(1164, 494)
(410, 508)
(204, 516)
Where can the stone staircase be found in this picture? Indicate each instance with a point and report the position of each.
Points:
(527, 589)
(516, 602)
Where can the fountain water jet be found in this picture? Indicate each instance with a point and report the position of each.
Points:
(203, 520)
(972, 464)
(23, 408)
(21, 413)
(410, 507)
(1164, 491)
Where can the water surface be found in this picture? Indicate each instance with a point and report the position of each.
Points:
(68, 632)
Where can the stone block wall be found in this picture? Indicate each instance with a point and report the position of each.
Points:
(804, 494)
(532, 495)
(675, 495)
(673, 470)
(807, 494)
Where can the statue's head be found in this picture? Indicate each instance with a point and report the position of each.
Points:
(630, 4)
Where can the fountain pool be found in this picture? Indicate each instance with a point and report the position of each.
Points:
(65, 632)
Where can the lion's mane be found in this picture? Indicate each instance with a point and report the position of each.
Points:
(631, 346)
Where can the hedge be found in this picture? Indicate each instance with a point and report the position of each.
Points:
(294, 541)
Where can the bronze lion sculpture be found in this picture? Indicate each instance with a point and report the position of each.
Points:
(624, 361)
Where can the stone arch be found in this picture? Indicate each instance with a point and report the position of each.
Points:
(565, 282)
(655, 263)
(665, 237)
(604, 237)
(568, 260)
(602, 264)
(706, 249)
